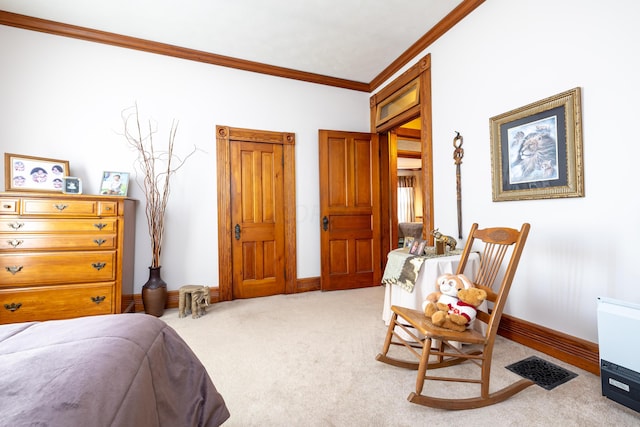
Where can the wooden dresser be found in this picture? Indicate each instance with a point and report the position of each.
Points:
(64, 256)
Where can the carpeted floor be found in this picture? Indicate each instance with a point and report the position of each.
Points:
(309, 360)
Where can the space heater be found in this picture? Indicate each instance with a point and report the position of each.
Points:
(619, 344)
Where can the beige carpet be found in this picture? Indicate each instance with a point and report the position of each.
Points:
(309, 360)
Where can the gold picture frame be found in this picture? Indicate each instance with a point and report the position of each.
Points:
(536, 150)
(38, 174)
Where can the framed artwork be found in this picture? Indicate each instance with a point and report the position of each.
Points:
(114, 183)
(536, 150)
(28, 173)
(71, 185)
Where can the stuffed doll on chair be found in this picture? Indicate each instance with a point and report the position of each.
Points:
(454, 305)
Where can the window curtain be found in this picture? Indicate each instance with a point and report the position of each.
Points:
(406, 209)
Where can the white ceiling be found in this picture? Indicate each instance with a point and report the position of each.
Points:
(349, 39)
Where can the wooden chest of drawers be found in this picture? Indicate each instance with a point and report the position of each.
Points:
(65, 256)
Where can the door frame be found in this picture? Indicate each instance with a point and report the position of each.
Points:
(388, 156)
(224, 136)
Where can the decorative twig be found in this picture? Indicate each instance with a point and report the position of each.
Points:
(156, 185)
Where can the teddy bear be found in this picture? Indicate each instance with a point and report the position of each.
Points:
(454, 305)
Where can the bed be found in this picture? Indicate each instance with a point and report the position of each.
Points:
(110, 370)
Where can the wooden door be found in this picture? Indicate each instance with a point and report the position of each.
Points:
(257, 212)
(349, 210)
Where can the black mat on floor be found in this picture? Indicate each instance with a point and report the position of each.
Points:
(545, 374)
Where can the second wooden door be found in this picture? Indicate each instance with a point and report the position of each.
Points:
(349, 210)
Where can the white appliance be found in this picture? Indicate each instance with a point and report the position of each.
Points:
(619, 345)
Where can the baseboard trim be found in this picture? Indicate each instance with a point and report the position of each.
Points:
(308, 284)
(576, 351)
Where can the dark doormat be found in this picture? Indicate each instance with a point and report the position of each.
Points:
(545, 374)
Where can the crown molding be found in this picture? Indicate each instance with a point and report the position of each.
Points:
(445, 24)
(89, 34)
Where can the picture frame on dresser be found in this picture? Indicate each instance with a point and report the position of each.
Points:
(29, 173)
(114, 183)
(71, 185)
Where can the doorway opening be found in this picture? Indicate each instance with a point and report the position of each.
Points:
(406, 212)
(405, 100)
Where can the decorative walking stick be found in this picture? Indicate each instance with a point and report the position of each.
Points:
(458, 153)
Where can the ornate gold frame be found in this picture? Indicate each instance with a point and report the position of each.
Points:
(545, 179)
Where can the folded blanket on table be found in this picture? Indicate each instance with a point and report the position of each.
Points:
(402, 269)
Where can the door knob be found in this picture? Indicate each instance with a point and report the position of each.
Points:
(237, 230)
(325, 223)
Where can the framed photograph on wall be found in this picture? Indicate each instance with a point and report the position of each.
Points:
(536, 150)
(114, 183)
(28, 173)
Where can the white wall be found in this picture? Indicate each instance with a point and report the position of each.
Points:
(62, 98)
(507, 54)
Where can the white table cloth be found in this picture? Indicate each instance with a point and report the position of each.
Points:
(431, 269)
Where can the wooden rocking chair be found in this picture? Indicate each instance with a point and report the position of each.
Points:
(478, 348)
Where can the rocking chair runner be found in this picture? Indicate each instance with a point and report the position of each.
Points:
(498, 242)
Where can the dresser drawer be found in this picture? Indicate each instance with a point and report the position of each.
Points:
(55, 302)
(9, 206)
(107, 208)
(59, 207)
(31, 242)
(60, 225)
(52, 268)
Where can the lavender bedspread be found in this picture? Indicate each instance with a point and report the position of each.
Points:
(113, 370)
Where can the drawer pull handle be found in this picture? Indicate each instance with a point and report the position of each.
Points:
(15, 243)
(61, 206)
(99, 242)
(13, 269)
(100, 226)
(13, 306)
(98, 265)
(98, 299)
(7, 206)
(17, 225)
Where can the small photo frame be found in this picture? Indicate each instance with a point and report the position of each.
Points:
(28, 173)
(417, 248)
(408, 241)
(71, 185)
(114, 183)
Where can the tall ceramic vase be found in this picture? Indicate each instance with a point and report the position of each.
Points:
(154, 293)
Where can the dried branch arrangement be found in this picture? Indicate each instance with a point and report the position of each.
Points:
(156, 168)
